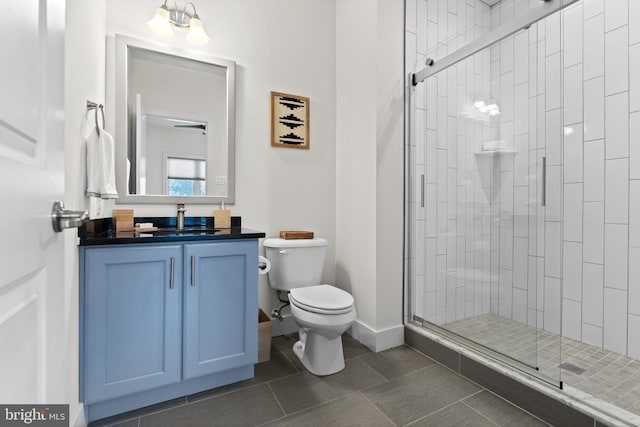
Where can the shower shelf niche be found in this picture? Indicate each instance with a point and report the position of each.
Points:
(490, 153)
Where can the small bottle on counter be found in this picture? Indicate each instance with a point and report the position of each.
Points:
(180, 217)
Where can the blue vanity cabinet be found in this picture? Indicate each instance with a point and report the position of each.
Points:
(132, 319)
(220, 311)
(162, 320)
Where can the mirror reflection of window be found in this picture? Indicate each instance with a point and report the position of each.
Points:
(174, 101)
(185, 176)
(168, 137)
(173, 114)
(187, 187)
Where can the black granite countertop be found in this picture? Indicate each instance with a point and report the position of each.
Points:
(101, 232)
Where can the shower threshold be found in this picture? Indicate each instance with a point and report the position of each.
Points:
(603, 374)
(569, 406)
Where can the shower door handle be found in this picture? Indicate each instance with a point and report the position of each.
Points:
(544, 182)
(422, 191)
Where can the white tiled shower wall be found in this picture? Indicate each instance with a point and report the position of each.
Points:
(444, 241)
(525, 83)
(568, 89)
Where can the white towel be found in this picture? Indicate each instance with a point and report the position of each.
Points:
(101, 173)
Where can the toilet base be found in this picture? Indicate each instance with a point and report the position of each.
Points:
(319, 354)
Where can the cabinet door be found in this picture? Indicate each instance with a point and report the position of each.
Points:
(132, 334)
(221, 306)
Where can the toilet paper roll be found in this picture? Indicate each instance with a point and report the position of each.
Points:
(264, 265)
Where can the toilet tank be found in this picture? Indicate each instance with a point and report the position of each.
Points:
(295, 263)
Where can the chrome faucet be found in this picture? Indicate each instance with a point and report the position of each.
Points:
(180, 217)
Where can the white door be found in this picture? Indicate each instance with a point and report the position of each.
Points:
(32, 311)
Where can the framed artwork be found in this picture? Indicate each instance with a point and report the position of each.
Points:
(289, 121)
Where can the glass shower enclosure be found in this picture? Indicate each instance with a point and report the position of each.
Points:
(485, 173)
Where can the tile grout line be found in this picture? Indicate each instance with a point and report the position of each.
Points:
(276, 398)
(442, 409)
(458, 373)
(628, 132)
(310, 408)
(139, 417)
(516, 406)
(478, 412)
(328, 401)
(248, 385)
(228, 392)
(376, 406)
(119, 422)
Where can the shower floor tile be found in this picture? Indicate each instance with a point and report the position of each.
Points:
(609, 376)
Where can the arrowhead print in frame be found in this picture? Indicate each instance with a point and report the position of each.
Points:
(289, 121)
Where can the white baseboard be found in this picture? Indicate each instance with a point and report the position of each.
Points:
(377, 340)
(78, 418)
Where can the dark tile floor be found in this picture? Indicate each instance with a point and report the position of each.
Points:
(396, 387)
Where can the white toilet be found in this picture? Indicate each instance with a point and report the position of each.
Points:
(322, 312)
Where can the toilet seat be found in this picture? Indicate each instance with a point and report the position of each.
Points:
(322, 299)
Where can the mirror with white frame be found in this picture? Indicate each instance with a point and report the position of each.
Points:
(175, 125)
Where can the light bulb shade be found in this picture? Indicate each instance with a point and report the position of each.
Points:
(160, 24)
(196, 34)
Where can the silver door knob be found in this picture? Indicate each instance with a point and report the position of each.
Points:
(62, 218)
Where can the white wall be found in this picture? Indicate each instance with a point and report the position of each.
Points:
(390, 165)
(356, 156)
(84, 80)
(293, 47)
(281, 45)
(369, 139)
(276, 188)
(351, 176)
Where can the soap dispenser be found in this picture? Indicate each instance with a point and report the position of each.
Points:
(180, 217)
(222, 217)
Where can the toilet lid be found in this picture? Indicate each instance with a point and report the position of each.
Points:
(325, 299)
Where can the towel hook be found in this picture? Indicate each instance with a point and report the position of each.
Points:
(95, 106)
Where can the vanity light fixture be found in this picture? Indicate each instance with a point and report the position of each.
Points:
(165, 17)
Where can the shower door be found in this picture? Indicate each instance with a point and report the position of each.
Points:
(486, 216)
